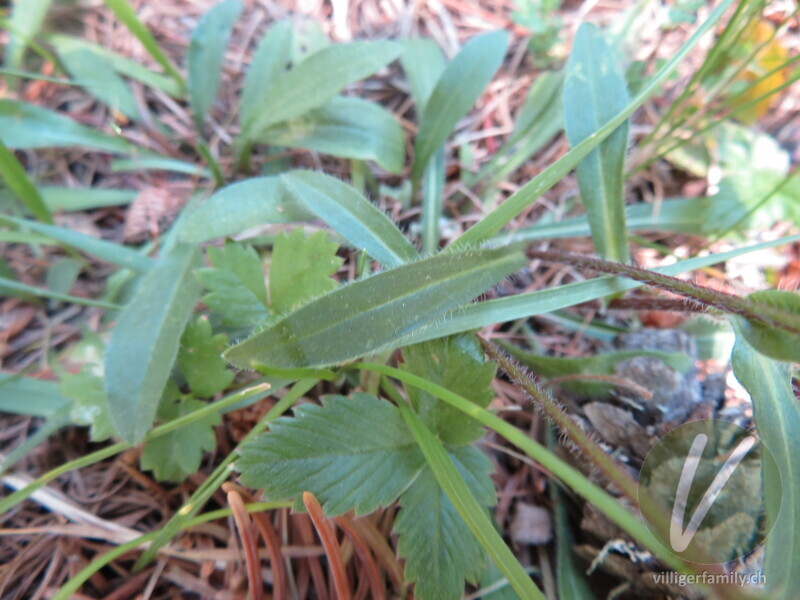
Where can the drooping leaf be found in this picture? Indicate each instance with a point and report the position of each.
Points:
(62, 273)
(319, 78)
(113, 253)
(770, 341)
(423, 63)
(270, 62)
(200, 359)
(96, 73)
(19, 183)
(455, 363)
(90, 403)
(127, 15)
(236, 284)
(352, 216)
(206, 54)
(27, 17)
(67, 199)
(25, 126)
(351, 453)
(242, 205)
(600, 364)
(440, 551)
(301, 269)
(146, 338)
(347, 128)
(594, 93)
(372, 314)
(777, 418)
(457, 89)
(177, 454)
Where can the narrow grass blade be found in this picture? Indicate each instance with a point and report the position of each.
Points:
(113, 253)
(595, 91)
(432, 199)
(319, 78)
(97, 75)
(78, 199)
(21, 395)
(145, 341)
(159, 163)
(27, 17)
(10, 284)
(518, 202)
(352, 216)
(457, 89)
(347, 128)
(242, 205)
(127, 15)
(777, 416)
(468, 508)
(423, 63)
(372, 314)
(270, 62)
(206, 55)
(21, 186)
(26, 126)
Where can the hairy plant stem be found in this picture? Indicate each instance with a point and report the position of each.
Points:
(705, 297)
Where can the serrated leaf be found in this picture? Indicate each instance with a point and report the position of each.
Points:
(200, 359)
(236, 284)
(770, 341)
(441, 552)
(242, 205)
(457, 364)
(24, 126)
(270, 62)
(177, 454)
(374, 313)
(594, 93)
(777, 419)
(96, 73)
(301, 269)
(319, 78)
(352, 216)
(145, 341)
(347, 128)
(206, 54)
(351, 453)
(90, 404)
(457, 89)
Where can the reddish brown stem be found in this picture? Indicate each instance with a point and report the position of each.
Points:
(245, 528)
(332, 550)
(361, 548)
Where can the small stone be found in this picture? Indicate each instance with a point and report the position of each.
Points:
(531, 525)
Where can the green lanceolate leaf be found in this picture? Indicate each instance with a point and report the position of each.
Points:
(319, 78)
(374, 313)
(206, 55)
(600, 364)
(457, 89)
(351, 453)
(200, 359)
(777, 416)
(272, 59)
(145, 341)
(440, 551)
(90, 404)
(96, 73)
(177, 454)
(27, 396)
(242, 205)
(594, 93)
(352, 216)
(236, 284)
(423, 62)
(17, 180)
(26, 21)
(347, 128)
(24, 126)
(301, 269)
(455, 363)
(772, 342)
